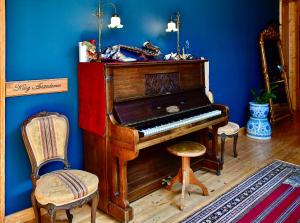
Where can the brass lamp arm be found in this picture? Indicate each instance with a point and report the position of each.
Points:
(100, 14)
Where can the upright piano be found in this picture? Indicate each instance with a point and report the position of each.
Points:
(129, 114)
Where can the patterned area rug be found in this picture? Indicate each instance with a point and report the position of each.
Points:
(270, 195)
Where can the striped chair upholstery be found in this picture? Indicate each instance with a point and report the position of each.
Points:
(47, 137)
(65, 186)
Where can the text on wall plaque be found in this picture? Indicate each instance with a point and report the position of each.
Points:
(31, 87)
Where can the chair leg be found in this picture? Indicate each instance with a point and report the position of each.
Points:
(235, 138)
(53, 216)
(94, 207)
(36, 209)
(223, 137)
(69, 215)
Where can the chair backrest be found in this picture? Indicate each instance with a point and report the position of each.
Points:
(45, 136)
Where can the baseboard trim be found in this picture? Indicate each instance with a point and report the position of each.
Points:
(21, 216)
(243, 131)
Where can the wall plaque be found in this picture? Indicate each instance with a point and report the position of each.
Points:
(31, 87)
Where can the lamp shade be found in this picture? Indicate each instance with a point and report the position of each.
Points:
(171, 27)
(115, 22)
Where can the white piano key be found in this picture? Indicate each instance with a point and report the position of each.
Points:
(179, 123)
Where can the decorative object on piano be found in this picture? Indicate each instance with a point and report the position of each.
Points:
(274, 71)
(149, 46)
(146, 52)
(172, 56)
(115, 21)
(82, 49)
(184, 56)
(258, 126)
(175, 56)
(114, 53)
(87, 51)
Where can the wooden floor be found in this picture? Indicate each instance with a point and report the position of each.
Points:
(163, 206)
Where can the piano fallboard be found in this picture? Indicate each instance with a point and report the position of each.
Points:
(144, 111)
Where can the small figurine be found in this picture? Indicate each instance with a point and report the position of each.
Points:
(91, 49)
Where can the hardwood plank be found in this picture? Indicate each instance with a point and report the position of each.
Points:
(163, 205)
(2, 110)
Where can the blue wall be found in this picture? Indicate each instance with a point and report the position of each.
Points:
(42, 39)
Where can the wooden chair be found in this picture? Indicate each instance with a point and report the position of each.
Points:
(185, 175)
(230, 130)
(45, 136)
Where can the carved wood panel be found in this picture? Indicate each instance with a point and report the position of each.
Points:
(163, 83)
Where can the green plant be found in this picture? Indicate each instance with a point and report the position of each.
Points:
(166, 181)
(263, 96)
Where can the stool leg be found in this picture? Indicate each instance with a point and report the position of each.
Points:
(223, 137)
(184, 178)
(235, 138)
(194, 180)
(176, 179)
(185, 162)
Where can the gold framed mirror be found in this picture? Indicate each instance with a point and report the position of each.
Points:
(274, 72)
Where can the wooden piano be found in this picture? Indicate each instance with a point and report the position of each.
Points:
(130, 112)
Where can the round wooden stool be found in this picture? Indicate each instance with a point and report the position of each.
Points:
(230, 130)
(185, 175)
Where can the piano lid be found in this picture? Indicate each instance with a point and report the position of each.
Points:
(145, 109)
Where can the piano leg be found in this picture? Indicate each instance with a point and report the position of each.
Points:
(212, 159)
(119, 205)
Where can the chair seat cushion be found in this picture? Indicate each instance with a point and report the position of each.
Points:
(65, 186)
(187, 149)
(230, 129)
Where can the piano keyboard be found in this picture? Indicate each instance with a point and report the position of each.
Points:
(179, 123)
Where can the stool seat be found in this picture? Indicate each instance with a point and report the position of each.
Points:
(230, 129)
(187, 149)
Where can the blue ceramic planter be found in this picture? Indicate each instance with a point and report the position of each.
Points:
(258, 126)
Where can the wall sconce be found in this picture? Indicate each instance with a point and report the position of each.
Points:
(174, 26)
(115, 21)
